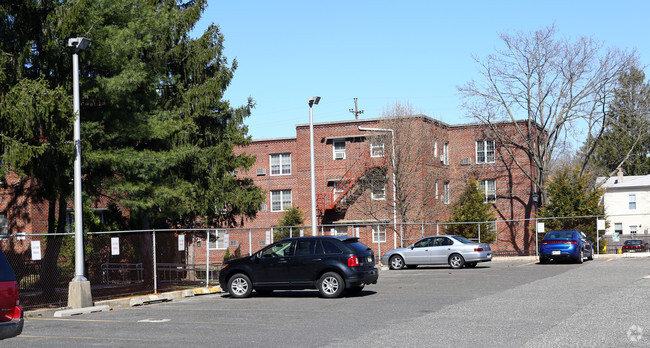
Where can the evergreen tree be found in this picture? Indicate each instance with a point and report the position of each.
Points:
(292, 217)
(157, 135)
(571, 195)
(626, 139)
(471, 207)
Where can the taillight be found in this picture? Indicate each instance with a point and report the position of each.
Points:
(353, 261)
(478, 249)
(547, 242)
(17, 294)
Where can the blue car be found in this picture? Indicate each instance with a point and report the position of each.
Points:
(571, 245)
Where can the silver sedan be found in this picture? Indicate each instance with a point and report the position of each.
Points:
(439, 250)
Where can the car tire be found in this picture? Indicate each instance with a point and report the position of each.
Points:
(471, 264)
(331, 285)
(456, 261)
(240, 286)
(581, 258)
(543, 260)
(591, 256)
(396, 262)
(355, 290)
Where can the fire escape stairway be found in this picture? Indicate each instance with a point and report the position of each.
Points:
(353, 183)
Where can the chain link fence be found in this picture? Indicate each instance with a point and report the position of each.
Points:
(125, 263)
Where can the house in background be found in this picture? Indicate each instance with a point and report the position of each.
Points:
(627, 204)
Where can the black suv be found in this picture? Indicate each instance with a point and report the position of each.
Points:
(329, 264)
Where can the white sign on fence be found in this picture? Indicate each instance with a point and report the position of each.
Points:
(181, 242)
(302, 233)
(540, 227)
(226, 239)
(601, 225)
(268, 237)
(36, 250)
(115, 245)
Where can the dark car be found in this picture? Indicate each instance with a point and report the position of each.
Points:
(11, 314)
(329, 264)
(566, 245)
(634, 245)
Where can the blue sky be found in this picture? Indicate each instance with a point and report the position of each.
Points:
(383, 52)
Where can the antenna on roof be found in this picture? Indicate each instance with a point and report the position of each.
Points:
(356, 110)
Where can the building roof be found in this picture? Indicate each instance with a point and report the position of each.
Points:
(628, 182)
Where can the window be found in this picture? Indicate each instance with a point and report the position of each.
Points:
(339, 149)
(281, 164)
(379, 234)
(437, 189)
(445, 193)
(4, 224)
(378, 193)
(485, 151)
(618, 228)
(219, 239)
(330, 247)
(445, 154)
(280, 200)
(488, 187)
(632, 200)
(376, 149)
(424, 243)
(339, 231)
(435, 148)
(305, 247)
(281, 249)
(633, 229)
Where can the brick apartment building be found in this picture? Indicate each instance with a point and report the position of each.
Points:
(354, 181)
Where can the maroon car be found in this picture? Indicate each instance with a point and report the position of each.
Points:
(634, 245)
(11, 314)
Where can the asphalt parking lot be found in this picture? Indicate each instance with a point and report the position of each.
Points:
(504, 303)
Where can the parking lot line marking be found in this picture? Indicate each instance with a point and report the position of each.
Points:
(91, 338)
(67, 319)
(526, 264)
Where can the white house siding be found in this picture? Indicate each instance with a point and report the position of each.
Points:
(616, 201)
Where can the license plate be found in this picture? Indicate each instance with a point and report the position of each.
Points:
(556, 252)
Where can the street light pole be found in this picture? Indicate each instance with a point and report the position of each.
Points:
(392, 136)
(79, 291)
(311, 101)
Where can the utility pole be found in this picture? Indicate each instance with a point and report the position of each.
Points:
(356, 110)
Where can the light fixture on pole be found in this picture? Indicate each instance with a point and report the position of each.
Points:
(392, 136)
(79, 294)
(311, 101)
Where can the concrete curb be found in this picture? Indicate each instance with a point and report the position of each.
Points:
(105, 305)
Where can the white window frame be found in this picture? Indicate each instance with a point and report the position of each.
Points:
(379, 234)
(618, 227)
(218, 242)
(378, 193)
(339, 231)
(281, 162)
(376, 148)
(482, 149)
(484, 186)
(437, 193)
(280, 197)
(339, 150)
(632, 201)
(633, 229)
(4, 224)
(445, 154)
(435, 148)
(446, 193)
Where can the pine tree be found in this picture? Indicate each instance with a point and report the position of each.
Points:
(292, 217)
(471, 207)
(571, 195)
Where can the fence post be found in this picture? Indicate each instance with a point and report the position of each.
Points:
(250, 241)
(479, 232)
(155, 267)
(207, 258)
(422, 230)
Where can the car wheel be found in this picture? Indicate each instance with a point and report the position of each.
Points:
(239, 286)
(471, 264)
(331, 285)
(591, 255)
(355, 290)
(456, 261)
(396, 262)
(581, 257)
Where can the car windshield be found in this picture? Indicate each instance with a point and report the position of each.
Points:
(633, 242)
(462, 239)
(559, 235)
